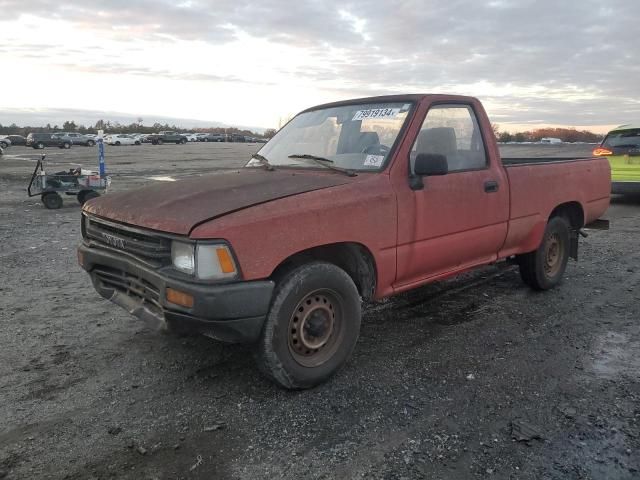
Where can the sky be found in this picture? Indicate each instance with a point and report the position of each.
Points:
(532, 63)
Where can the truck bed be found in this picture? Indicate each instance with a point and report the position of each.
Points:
(538, 185)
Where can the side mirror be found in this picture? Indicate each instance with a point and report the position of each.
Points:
(431, 164)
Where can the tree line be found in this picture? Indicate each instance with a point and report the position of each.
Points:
(565, 134)
(117, 127)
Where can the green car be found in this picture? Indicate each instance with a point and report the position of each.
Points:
(622, 147)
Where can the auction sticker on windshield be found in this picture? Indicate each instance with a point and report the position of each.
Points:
(373, 160)
(376, 113)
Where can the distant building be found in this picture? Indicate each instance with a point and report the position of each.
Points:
(550, 140)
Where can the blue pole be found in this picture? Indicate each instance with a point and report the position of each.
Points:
(101, 156)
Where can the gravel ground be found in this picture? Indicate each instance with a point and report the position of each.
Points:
(476, 377)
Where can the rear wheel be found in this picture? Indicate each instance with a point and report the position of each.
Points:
(39, 145)
(183, 141)
(117, 143)
(51, 200)
(312, 326)
(543, 269)
(66, 145)
(90, 143)
(159, 141)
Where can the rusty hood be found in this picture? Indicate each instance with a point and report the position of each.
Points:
(177, 207)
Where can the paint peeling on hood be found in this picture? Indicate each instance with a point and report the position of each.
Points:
(177, 207)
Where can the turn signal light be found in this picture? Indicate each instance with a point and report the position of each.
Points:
(602, 152)
(179, 298)
(226, 262)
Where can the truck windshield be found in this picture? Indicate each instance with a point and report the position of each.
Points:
(356, 137)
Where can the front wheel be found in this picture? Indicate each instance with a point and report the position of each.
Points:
(90, 143)
(312, 326)
(66, 145)
(543, 269)
(51, 200)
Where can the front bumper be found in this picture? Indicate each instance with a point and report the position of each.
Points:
(231, 312)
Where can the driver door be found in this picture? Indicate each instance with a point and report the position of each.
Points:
(457, 220)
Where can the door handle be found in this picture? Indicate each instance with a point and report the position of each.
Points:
(491, 186)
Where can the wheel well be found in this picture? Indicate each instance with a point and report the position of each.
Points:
(353, 258)
(572, 211)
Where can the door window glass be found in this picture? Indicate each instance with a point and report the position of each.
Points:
(452, 131)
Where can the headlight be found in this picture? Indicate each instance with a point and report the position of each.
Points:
(205, 261)
(182, 257)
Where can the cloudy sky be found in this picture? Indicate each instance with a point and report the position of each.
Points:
(532, 62)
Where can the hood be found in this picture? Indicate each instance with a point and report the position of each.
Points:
(177, 207)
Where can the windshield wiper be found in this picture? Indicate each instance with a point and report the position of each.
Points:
(263, 161)
(325, 162)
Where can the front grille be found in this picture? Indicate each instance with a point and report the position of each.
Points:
(131, 285)
(152, 249)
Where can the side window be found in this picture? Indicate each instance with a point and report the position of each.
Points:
(452, 131)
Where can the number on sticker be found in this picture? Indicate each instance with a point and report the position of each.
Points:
(376, 113)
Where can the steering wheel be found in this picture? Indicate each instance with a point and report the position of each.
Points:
(379, 149)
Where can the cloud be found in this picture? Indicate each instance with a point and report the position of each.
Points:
(558, 62)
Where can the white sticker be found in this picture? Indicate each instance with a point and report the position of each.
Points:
(373, 160)
(376, 113)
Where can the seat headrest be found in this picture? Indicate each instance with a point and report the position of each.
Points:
(440, 140)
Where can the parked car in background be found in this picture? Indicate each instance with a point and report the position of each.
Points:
(41, 140)
(168, 137)
(79, 138)
(621, 146)
(17, 139)
(191, 137)
(5, 142)
(121, 139)
(213, 137)
(200, 136)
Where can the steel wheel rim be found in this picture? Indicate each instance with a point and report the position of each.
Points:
(553, 255)
(316, 328)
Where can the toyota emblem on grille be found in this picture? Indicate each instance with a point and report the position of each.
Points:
(113, 240)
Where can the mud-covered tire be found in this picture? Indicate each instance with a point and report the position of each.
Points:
(544, 268)
(330, 320)
(51, 200)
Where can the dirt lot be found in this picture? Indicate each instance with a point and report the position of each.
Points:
(441, 382)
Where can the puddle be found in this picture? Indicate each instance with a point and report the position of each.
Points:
(616, 355)
(162, 179)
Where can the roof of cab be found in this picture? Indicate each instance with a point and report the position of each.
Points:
(412, 97)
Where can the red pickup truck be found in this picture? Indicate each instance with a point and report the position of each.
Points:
(359, 199)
